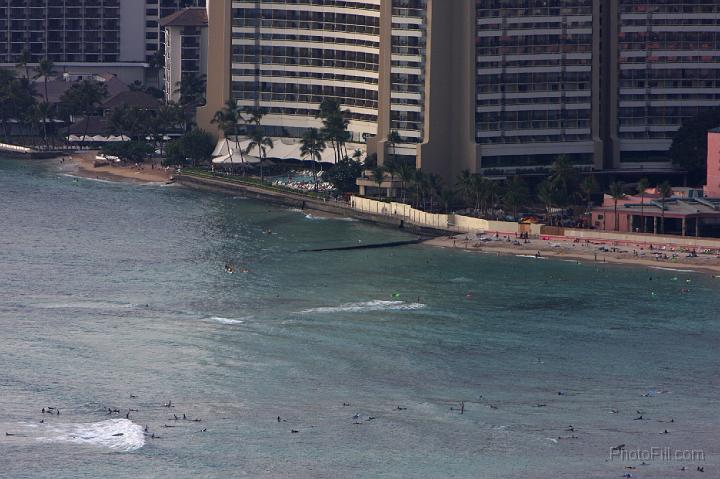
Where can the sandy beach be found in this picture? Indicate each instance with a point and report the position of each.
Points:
(82, 164)
(664, 257)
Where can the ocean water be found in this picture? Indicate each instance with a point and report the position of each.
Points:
(115, 296)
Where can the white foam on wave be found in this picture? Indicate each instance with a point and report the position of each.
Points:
(366, 306)
(120, 435)
(98, 180)
(674, 269)
(220, 319)
(83, 305)
(461, 279)
(530, 256)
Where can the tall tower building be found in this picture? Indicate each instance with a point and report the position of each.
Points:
(85, 36)
(491, 86)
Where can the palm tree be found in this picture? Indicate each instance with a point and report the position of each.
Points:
(407, 173)
(259, 141)
(617, 193)
(546, 196)
(642, 186)
(379, 176)
(447, 196)
(24, 62)
(393, 139)
(227, 119)
(83, 99)
(335, 130)
(191, 88)
(435, 187)
(44, 69)
(491, 192)
(157, 62)
(516, 195)
(588, 187)
(563, 179)
(479, 185)
(666, 192)
(254, 115)
(312, 147)
(168, 117)
(466, 184)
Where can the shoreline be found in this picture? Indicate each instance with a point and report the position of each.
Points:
(568, 250)
(559, 249)
(82, 164)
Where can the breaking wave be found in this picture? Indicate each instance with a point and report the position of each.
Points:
(120, 435)
(366, 306)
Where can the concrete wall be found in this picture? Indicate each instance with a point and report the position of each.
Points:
(451, 222)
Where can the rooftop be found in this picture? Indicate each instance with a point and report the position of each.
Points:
(187, 17)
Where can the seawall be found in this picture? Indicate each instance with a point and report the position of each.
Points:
(303, 202)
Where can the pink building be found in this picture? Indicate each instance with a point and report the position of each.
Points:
(680, 215)
(712, 189)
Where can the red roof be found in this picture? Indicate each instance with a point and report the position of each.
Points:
(187, 17)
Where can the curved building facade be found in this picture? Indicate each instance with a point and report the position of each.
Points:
(491, 86)
(287, 56)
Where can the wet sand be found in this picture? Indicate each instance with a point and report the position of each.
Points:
(568, 250)
(82, 164)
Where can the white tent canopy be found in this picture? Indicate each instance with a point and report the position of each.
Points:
(283, 149)
(235, 159)
(97, 138)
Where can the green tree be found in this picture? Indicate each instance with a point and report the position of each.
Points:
(563, 181)
(131, 151)
(83, 99)
(689, 146)
(168, 117)
(44, 70)
(617, 192)
(379, 176)
(335, 125)
(343, 175)
(466, 186)
(260, 142)
(546, 196)
(334, 129)
(17, 101)
(24, 62)
(198, 146)
(516, 195)
(588, 187)
(447, 198)
(227, 120)
(393, 140)
(157, 63)
(642, 187)
(312, 147)
(191, 88)
(406, 173)
(665, 191)
(174, 153)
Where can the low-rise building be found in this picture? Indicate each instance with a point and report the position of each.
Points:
(186, 47)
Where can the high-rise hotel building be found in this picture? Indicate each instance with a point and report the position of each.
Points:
(85, 36)
(484, 85)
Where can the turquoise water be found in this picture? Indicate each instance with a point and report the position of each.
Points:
(112, 290)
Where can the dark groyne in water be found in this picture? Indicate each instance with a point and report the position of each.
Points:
(220, 185)
(392, 244)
